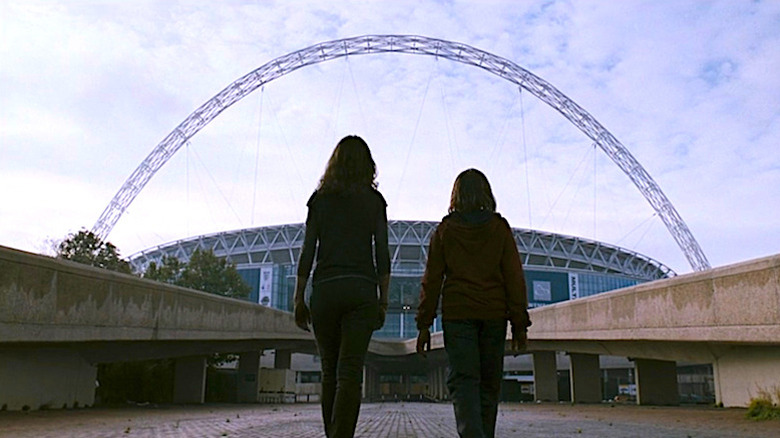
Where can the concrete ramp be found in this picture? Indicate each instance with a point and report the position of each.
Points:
(729, 317)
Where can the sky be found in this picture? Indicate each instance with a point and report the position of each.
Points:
(690, 88)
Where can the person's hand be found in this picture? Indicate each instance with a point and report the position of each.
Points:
(519, 339)
(423, 341)
(302, 316)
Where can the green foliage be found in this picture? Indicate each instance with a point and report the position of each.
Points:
(87, 248)
(763, 407)
(169, 271)
(208, 273)
(205, 272)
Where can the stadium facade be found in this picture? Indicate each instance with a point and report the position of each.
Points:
(557, 268)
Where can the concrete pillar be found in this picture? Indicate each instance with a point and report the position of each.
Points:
(433, 383)
(283, 359)
(585, 378)
(545, 376)
(368, 382)
(376, 384)
(442, 393)
(189, 385)
(247, 386)
(367, 378)
(656, 382)
(743, 372)
(45, 378)
(438, 375)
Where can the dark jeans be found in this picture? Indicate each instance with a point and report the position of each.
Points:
(475, 349)
(344, 313)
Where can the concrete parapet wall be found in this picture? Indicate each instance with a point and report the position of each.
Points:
(729, 317)
(48, 300)
(58, 319)
(738, 304)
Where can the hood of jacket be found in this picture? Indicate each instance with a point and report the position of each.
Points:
(473, 230)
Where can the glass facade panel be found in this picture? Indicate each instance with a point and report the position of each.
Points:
(591, 284)
(392, 327)
(252, 278)
(410, 325)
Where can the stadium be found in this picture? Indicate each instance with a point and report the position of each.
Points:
(557, 268)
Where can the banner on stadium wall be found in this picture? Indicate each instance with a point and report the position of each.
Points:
(265, 294)
(542, 291)
(574, 286)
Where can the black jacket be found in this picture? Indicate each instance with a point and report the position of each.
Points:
(348, 234)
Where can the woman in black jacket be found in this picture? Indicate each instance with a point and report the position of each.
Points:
(346, 228)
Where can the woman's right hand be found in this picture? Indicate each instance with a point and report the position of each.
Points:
(519, 339)
(423, 341)
(302, 316)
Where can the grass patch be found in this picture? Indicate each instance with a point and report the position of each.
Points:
(765, 406)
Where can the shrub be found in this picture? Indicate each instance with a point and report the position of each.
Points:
(763, 406)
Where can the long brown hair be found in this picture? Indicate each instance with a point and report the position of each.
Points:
(350, 168)
(471, 192)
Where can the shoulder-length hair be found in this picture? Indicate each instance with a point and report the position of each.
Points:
(471, 192)
(350, 168)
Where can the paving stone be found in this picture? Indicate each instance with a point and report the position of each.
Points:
(384, 420)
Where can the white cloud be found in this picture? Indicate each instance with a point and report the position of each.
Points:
(90, 87)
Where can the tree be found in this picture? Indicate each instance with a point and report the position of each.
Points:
(208, 273)
(205, 272)
(169, 270)
(87, 248)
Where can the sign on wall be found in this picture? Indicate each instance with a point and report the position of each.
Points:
(574, 286)
(542, 291)
(266, 286)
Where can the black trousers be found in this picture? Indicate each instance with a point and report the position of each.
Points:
(344, 314)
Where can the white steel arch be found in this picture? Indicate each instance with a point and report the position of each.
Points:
(417, 45)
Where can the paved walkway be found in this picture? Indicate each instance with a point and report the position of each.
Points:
(380, 420)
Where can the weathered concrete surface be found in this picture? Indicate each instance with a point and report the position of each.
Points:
(727, 316)
(738, 304)
(656, 382)
(58, 319)
(45, 378)
(545, 376)
(47, 300)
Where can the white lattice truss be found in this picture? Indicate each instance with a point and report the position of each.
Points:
(408, 240)
(417, 45)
